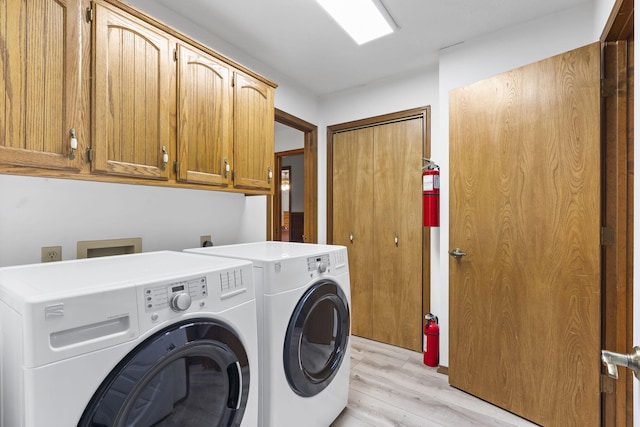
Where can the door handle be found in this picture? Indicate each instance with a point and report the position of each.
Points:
(457, 253)
(612, 360)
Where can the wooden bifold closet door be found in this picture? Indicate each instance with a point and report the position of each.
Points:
(377, 209)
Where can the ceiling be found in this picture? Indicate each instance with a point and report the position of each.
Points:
(300, 40)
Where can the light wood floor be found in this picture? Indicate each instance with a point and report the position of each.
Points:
(391, 386)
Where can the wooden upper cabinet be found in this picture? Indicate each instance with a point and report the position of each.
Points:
(204, 118)
(253, 133)
(131, 96)
(41, 82)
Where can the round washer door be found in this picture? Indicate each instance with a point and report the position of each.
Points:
(316, 338)
(193, 373)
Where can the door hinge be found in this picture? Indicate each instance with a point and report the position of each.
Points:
(89, 15)
(89, 154)
(608, 87)
(607, 384)
(607, 236)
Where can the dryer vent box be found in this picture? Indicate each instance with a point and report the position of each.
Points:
(100, 248)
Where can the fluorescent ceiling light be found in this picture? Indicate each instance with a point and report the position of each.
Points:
(363, 20)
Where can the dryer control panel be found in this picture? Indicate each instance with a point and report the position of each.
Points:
(177, 295)
(319, 263)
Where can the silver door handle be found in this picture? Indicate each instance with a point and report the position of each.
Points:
(612, 360)
(457, 253)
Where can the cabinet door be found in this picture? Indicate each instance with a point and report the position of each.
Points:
(397, 231)
(253, 133)
(41, 97)
(353, 216)
(204, 118)
(131, 96)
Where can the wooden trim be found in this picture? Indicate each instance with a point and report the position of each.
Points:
(619, 26)
(310, 177)
(444, 370)
(617, 206)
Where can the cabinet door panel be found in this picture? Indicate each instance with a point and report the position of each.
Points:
(41, 95)
(353, 216)
(253, 133)
(397, 248)
(131, 96)
(204, 118)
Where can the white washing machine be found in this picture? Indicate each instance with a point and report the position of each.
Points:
(152, 339)
(304, 298)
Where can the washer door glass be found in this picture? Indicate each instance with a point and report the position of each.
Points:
(194, 373)
(316, 339)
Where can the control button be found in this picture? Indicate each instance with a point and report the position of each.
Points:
(322, 267)
(180, 301)
(154, 317)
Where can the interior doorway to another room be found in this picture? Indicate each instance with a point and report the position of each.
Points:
(293, 208)
(291, 188)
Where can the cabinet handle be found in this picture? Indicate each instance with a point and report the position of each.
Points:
(269, 174)
(351, 237)
(165, 158)
(227, 168)
(395, 239)
(73, 143)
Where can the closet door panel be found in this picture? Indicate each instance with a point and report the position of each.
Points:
(353, 215)
(397, 233)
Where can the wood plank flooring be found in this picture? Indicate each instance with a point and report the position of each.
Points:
(391, 386)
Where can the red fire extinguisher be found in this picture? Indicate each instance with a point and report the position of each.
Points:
(431, 194)
(431, 340)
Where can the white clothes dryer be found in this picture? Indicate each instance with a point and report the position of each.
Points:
(304, 297)
(151, 339)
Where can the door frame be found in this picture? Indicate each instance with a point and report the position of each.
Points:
(310, 179)
(277, 194)
(617, 208)
(425, 113)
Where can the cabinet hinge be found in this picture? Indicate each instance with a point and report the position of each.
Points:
(608, 87)
(233, 176)
(233, 80)
(89, 16)
(175, 166)
(89, 154)
(607, 236)
(175, 55)
(607, 384)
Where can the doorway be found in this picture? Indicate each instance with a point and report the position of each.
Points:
(291, 196)
(309, 153)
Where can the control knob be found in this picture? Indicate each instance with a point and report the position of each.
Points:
(180, 301)
(322, 267)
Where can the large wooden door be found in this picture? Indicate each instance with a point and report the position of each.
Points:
(397, 233)
(525, 207)
(353, 219)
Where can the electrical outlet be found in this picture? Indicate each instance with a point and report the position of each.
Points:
(51, 253)
(204, 239)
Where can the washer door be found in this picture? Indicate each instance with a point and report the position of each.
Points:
(193, 373)
(316, 339)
